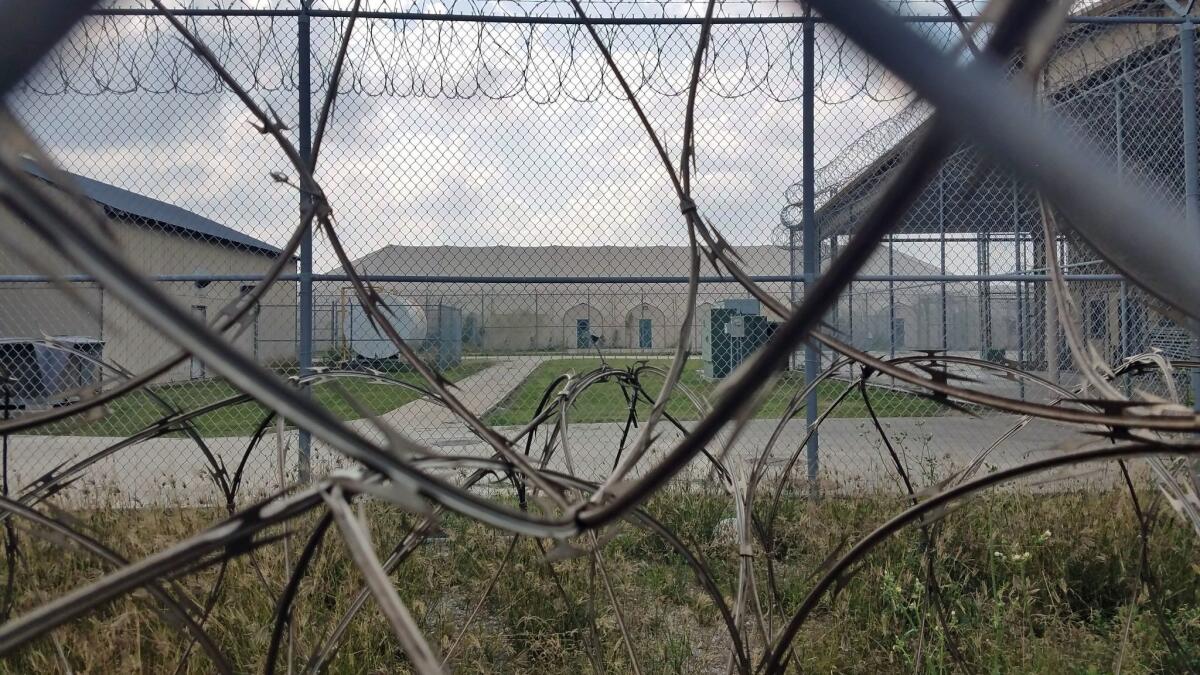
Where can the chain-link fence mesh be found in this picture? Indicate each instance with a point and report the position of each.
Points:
(492, 182)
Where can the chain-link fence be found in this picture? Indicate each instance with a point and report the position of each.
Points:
(492, 182)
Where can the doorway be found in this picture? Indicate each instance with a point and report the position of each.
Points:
(583, 333)
(645, 333)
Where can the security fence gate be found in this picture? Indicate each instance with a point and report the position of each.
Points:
(491, 181)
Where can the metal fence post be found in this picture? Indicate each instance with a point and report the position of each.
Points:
(7, 383)
(941, 211)
(891, 244)
(850, 315)
(793, 297)
(983, 266)
(1019, 268)
(306, 247)
(1123, 325)
(810, 245)
(1187, 82)
(1123, 346)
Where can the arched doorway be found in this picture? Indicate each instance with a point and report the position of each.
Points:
(645, 328)
(580, 323)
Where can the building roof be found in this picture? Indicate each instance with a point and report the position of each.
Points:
(590, 261)
(122, 203)
(838, 213)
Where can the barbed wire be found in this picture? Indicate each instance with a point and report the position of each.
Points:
(570, 513)
(431, 58)
(1138, 60)
(540, 64)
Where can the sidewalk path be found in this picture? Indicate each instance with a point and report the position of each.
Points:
(433, 424)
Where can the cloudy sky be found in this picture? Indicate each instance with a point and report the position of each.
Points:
(462, 133)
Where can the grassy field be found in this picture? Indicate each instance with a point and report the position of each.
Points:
(605, 403)
(1030, 584)
(138, 410)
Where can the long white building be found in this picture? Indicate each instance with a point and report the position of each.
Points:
(501, 316)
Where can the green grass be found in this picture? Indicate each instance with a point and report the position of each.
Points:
(138, 410)
(1029, 583)
(605, 402)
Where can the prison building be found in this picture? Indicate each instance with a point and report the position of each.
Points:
(160, 240)
(1116, 85)
(627, 313)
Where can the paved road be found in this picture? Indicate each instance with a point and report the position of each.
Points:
(852, 455)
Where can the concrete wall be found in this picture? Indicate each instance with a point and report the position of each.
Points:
(542, 317)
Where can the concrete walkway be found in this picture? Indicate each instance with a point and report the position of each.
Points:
(434, 425)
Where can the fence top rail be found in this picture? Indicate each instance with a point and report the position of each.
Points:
(399, 278)
(574, 20)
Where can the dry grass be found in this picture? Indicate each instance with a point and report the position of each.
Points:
(1030, 583)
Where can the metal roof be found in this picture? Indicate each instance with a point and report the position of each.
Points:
(839, 213)
(137, 207)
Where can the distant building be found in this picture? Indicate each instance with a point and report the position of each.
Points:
(636, 314)
(158, 239)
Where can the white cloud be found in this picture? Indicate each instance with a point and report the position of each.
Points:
(536, 168)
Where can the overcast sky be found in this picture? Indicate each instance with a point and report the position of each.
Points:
(434, 160)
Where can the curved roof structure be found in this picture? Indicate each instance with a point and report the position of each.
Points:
(969, 195)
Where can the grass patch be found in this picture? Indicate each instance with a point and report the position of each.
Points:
(138, 410)
(605, 402)
(1030, 583)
